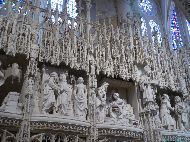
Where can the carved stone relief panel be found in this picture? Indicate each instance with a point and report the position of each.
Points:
(63, 92)
(114, 103)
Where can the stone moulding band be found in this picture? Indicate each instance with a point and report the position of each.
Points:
(36, 125)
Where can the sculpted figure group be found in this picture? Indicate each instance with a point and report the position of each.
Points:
(166, 117)
(63, 98)
(116, 111)
(180, 118)
(60, 97)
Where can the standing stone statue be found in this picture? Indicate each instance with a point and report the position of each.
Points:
(183, 87)
(50, 87)
(64, 96)
(166, 119)
(148, 95)
(182, 118)
(15, 72)
(101, 102)
(80, 99)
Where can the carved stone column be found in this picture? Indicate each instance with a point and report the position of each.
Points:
(88, 7)
(92, 85)
(149, 114)
(28, 94)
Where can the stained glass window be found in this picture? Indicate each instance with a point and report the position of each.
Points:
(55, 2)
(143, 27)
(145, 5)
(71, 7)
(2, 2)
(148, 7)
(12, 4)
(188, 26)
(155, 30)
(175, 32)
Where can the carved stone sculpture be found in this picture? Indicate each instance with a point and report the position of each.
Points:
(157, 117)
(101, 102)
(182, 116)
(130, 115)
(183, 87)
(34, 51)
(148, 96)
(16, 72)
(117, 108)
(166, 118)
(11, 103)
(80, 99)
(101, 47)
(64, 96)
(49, 93)
(149, 93)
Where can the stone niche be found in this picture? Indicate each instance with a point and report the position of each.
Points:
(120, 107)
(12, 70)
(126, 90)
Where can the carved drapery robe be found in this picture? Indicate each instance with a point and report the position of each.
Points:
(100, 105)
(166, 119)
(64, 98)
(49, 96)
(80, 101)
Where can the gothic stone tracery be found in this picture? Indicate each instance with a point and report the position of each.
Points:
(79, 79)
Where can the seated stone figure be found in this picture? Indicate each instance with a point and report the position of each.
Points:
(120, 112)
(116, 109)
(11, 103)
